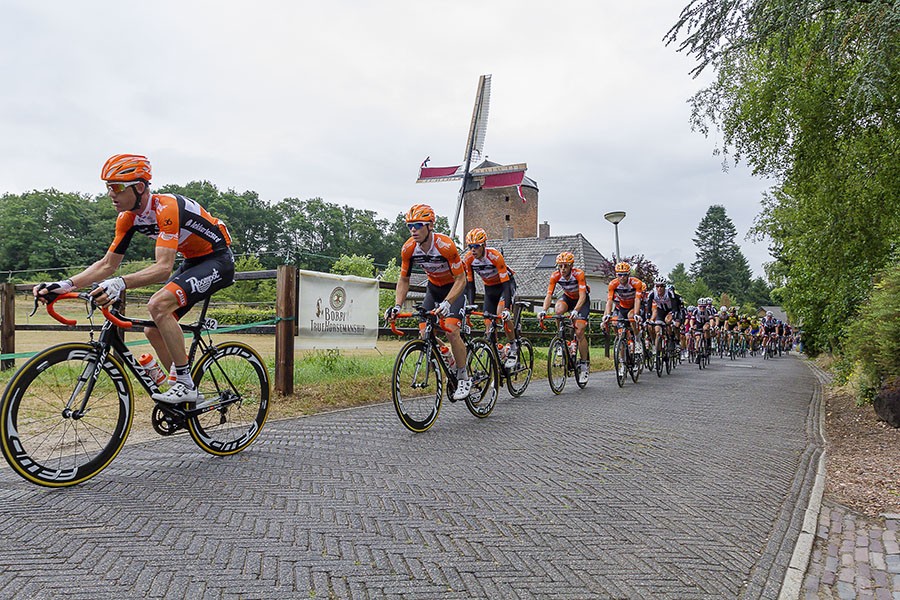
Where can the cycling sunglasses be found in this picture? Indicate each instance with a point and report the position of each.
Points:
(474, 246)
(415, 226)
(118, 188)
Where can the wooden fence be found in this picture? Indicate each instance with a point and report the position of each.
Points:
(284, 330)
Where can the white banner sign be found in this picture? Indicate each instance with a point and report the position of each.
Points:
(336, 311)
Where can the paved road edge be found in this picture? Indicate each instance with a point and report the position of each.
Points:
(791, 587)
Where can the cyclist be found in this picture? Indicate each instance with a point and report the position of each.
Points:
(179, 224)
(625, 292)
(499, 283)
(662, 309)
(702, 319)
(576, 297)
(731, 328)
(437, 255)
(769, 325)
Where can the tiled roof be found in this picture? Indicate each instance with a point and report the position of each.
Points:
(524, 254)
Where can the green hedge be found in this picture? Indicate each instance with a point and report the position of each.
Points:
(872, 343)
(240, 315)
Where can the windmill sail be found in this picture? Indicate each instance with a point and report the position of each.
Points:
(478, 127)
(475, 141)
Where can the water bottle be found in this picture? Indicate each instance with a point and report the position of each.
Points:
(149, 363)
(573, 348)
(173, 376)
(448, 357)
(502, 351)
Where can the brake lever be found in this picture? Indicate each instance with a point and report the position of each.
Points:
(34, 311)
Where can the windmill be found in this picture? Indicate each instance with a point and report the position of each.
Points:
(492, 176)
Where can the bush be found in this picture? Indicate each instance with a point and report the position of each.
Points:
(873, 341)
(240, 315)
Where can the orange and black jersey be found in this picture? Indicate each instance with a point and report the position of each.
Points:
(625, 294)
(491, 267)
(571, 285)
(441, 262)
(176, 222)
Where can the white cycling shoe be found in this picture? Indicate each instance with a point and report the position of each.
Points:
(178, 394)
(463, 389)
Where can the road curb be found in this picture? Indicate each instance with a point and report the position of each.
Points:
(791, 587)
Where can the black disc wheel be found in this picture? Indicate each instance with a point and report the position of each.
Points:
(417, 386)
(234, 383)
(63, 417)
(481, 364)
(557, 367)
(519, 376)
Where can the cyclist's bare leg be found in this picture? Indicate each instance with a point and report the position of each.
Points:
(162, 307)
(457, 346)
(583, 347)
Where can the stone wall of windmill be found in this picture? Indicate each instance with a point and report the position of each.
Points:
(501, 212)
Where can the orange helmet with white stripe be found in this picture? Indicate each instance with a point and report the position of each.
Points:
(476, 236)
(126, 167)
(420, 213)
(565, 258)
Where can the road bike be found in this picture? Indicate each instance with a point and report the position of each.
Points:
(67, 412)
(421, 370)
(518, 377)
(624, 359)
(562, 355)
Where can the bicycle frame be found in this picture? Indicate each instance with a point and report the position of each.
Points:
(108, 341)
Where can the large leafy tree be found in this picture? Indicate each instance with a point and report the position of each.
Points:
(720, 262)
(808, 92)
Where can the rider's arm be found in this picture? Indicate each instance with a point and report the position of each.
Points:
(402, 290)
(459, 285)
(582, 297)
(550, 288)
(158, 272)
(506, 294)
(98, 271)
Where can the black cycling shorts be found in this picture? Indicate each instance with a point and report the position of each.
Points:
(199, 278)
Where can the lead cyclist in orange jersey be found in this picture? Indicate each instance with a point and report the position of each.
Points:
(437, 255)
(499, 283)
(179, 225)
(625, 294)
(576, 298)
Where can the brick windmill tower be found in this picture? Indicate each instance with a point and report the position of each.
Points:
(497, 198)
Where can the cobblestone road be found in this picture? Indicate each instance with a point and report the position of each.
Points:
(689, 486)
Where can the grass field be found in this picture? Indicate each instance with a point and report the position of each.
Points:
(323, 380)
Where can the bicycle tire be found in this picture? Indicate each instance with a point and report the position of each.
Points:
(557, 365)
(658, 363)
(236, 376)
(414, 371)
(620, 361)
(481, 364)
(518, 378)
(45, 447)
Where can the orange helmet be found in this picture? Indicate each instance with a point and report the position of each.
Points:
(126, 167)
(565, 258)
(476, 236)
(420, 213)
(623, 267)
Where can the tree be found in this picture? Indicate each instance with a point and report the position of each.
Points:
(808, 93)
(720, 262)
(361, 266)
(641, 267)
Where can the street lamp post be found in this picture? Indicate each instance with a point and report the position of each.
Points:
(615, 217)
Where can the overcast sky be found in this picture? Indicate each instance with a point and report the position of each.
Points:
(343, 100)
